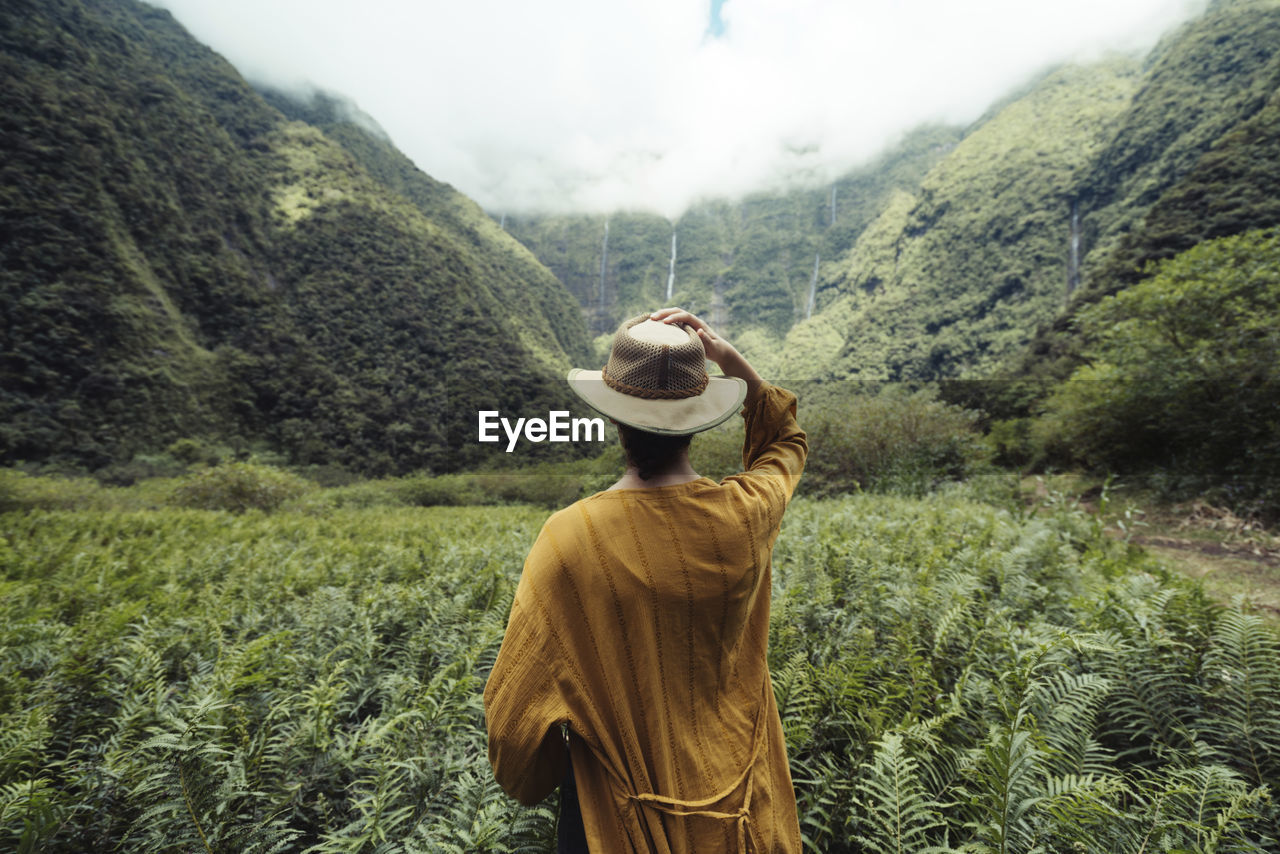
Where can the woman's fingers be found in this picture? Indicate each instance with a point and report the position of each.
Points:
(676, 315)
(680, 315)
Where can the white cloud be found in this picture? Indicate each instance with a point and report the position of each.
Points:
(603, 104)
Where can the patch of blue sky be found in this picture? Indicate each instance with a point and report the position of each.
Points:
(715, 26)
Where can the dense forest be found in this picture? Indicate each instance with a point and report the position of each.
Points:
(183, 261)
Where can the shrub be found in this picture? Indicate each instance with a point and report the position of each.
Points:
(239, 487)
(192, 451)
(449, 490)
(544, 486)
(1010, 440)
(21, 491)
(895, 440)
(1184, 373)
(141, 467)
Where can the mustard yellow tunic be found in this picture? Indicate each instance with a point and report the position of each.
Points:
(641, 620)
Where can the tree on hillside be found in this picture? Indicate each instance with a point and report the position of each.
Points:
(1184, 370)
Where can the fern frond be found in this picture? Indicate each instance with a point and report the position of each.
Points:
(1066, 707)
(1087, 813)
(1150, 710)
(797, 699)
(480, 819)
(1207, 808)
(193, 795)
(896, 814)
(1241, 673)
(1005, 790)
(823, 799)
(23, 739)
(30, 813)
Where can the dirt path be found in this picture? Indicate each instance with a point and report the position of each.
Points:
(1231, 556)
(1226, 571)
(1250, 552)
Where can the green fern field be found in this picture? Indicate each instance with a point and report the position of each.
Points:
(953, 675)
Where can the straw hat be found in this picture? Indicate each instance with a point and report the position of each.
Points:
(656, 380)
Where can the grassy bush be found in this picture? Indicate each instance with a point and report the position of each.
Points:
(548, 484)
(192, 451)
(897, 440)
(140, 467)
(21, 491)
(239, 487)
(891, 441)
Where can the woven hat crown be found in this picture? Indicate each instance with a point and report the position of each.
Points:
(648, 362)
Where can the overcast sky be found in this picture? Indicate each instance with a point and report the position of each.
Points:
(607, 104)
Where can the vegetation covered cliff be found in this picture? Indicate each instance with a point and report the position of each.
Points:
(748, 263)
(943, 257)
(183, 260)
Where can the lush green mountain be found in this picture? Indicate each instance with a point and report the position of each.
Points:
(180, 259)
(520, 279)
(948, 254)
(957, 272)
(1206, 82)
(186, 257)
(748, 263)
(1196, 156)
(1233, 187)
(943, 255)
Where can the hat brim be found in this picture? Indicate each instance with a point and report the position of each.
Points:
(722, 397)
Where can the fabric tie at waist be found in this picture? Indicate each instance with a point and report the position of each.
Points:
(674, 806)
(742, 816)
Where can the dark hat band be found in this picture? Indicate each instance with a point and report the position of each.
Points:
(653, 393)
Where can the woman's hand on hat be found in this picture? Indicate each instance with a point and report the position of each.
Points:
(718, 350)
(711, 342)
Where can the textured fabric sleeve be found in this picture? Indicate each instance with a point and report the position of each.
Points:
(522, 700)
(774, 448)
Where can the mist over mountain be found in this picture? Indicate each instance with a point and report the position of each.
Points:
(747, 263)
(573, 108)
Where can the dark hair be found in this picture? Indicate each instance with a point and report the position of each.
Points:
(649, 452)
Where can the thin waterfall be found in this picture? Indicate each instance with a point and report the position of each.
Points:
(671, 271)
(604, 260)
(719, 309)
(813, 286)
(833, 205)
(1073, 261)
(502, 224)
